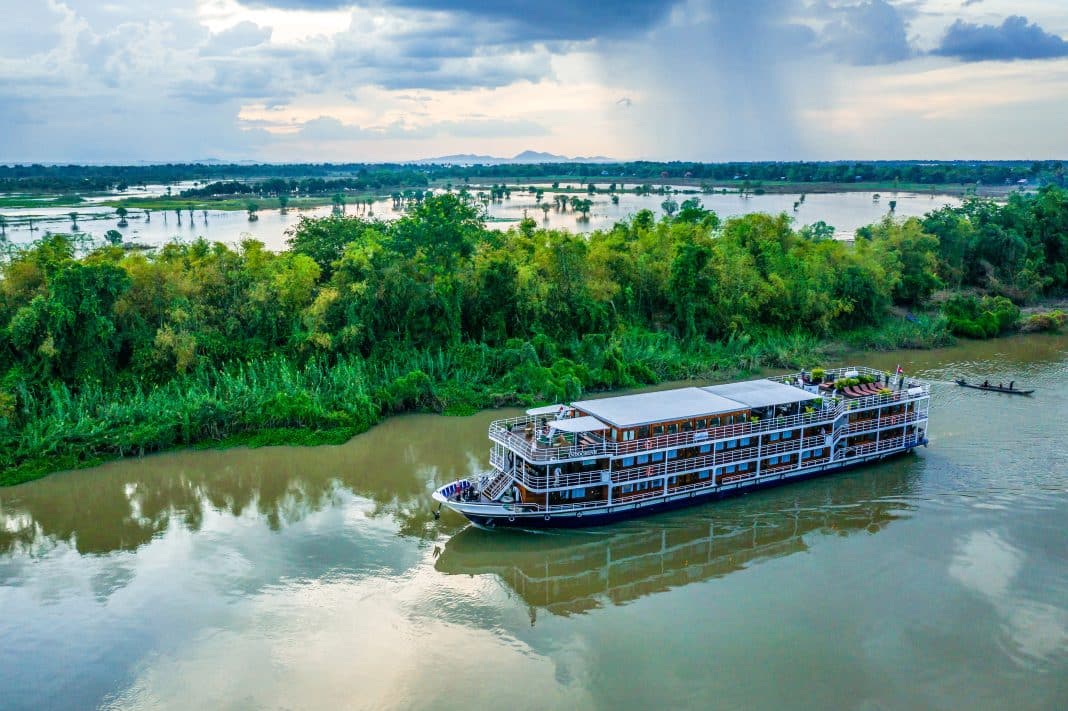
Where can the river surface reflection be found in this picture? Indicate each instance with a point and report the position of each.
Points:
(306, 578)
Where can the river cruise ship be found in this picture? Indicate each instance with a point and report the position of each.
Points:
(592, 462)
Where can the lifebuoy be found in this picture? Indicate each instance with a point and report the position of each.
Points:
(511, 519)
(547, 517)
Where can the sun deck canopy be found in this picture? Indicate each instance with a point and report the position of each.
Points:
(579, 424)
(545, 410)
(662, 406)
(761, 393)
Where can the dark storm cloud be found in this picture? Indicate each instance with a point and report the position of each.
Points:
(533, 20)
(865, 33)
(1015, 38)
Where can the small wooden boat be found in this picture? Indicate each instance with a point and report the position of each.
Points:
(994, 388)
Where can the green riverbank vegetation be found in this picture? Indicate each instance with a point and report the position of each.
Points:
(111, 353)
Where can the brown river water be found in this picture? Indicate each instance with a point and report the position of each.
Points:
(318, 578)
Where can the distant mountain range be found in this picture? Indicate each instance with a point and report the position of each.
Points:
(524, 157)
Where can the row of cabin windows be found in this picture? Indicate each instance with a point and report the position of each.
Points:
(568, 494)
(732, 444)
(640, 486)
(812, 453)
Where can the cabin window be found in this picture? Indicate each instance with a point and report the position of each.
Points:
(658, 456)
(745, 441)
(589, 462)
(817, 452)
(565, 495)
(687, 426)
(773, 460)
(730, 469)
(705, 448)
(714, 422)
(787, 435)
(643, 459)
(700, 424)
(719, 446)
(578, 493)
(744, 466)
(671, 481)
(703, 475)
(672, 428)
(627, 488)
(643, 431)
(774, 436)
(731, 444)
(658, 430)
(672, 453)
(627, 461)
(628, 435)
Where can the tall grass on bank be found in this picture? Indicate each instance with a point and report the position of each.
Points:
(277, 401)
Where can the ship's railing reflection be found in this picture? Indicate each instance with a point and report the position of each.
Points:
(569, 573)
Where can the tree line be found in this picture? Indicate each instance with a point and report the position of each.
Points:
(97, 178)
(113, 352)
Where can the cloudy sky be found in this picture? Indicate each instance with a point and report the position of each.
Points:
(377, 80)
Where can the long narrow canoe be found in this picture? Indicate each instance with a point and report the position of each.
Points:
(994, 388)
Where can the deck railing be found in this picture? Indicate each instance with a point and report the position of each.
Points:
(502, 431)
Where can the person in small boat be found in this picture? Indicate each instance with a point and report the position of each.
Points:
(1000, 386)
(1011, 383)
(986, 383)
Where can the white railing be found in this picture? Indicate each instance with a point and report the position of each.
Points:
(503, 431)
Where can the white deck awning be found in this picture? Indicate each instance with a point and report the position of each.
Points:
(579, 424)
(544, 410)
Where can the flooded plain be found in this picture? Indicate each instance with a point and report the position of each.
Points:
(843, 211)
(296, 578)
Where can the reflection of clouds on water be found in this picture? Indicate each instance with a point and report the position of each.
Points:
(351, 643)
(990, 566)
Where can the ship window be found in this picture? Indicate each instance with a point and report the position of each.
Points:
(705, 448)
(628, 435)
(643, 431)
(731, 444)
(578, 493)
(672, 453)
(817, 452)
(719, 446)
(730, 469)
(774, 436)
(701, 424)
(787, 435)
(628, 461)
(671, 480)
(745, 441)
(773, 460)
(744, 466)
(658, 456)
(672, 428)
(627, 488)
(589, 462)
(643, 459)
(658, 430)
(565, 495)
(714, 422)
(703, 475)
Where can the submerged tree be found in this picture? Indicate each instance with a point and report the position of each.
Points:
(669, 207)
(252, 208)
(283, 204)
(73, 221)
(122, 212)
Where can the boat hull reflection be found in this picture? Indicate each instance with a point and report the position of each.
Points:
(570, 572)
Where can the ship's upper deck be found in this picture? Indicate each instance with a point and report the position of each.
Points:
(693, 414)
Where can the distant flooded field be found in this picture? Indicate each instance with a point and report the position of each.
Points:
(845, 211)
